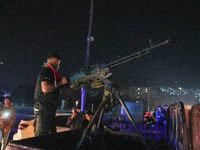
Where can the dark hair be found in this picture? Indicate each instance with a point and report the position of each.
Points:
(78, 108)
(89, 113)
(73, 108)
(6, 98)
(53, 55)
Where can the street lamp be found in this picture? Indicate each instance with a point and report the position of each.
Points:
(1, 63)
(149, 96)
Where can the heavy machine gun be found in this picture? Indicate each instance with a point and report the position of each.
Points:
(97, 75)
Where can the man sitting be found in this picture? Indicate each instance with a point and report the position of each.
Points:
(75, 120)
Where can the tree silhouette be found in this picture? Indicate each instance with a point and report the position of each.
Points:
(23, 95)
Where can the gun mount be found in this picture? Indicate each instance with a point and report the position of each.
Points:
(96, 75)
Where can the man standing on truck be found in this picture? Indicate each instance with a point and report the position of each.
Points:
(46, 96)
(8, 116)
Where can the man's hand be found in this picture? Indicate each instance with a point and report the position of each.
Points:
(73, 115)
(64, 81)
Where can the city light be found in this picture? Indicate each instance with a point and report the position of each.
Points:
(179, 92)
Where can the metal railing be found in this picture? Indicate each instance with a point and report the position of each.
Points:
(195, 127)
(177, 131)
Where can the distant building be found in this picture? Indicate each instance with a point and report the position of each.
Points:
(142, 95)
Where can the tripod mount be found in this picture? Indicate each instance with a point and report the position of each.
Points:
(110, 89)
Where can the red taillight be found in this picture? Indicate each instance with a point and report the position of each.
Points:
(22, 126)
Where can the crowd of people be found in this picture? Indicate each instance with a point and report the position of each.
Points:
(161, 116)
(158, 118)
(79, 119)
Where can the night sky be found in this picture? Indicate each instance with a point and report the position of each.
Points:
(30, 30)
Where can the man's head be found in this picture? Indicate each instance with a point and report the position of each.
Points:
(54, 59)
(89, 115)
(166, 106)
(78, 109)
(73, 110)
(159, 108)
(7, 101)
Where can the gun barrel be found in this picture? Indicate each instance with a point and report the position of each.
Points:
(135, 55)
(101, 72)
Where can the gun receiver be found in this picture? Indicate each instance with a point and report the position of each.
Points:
(95, 75)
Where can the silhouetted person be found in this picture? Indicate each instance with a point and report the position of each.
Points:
(88, 117)
(165, 115)
(8, 116)
(159, 116)
(75, 120)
